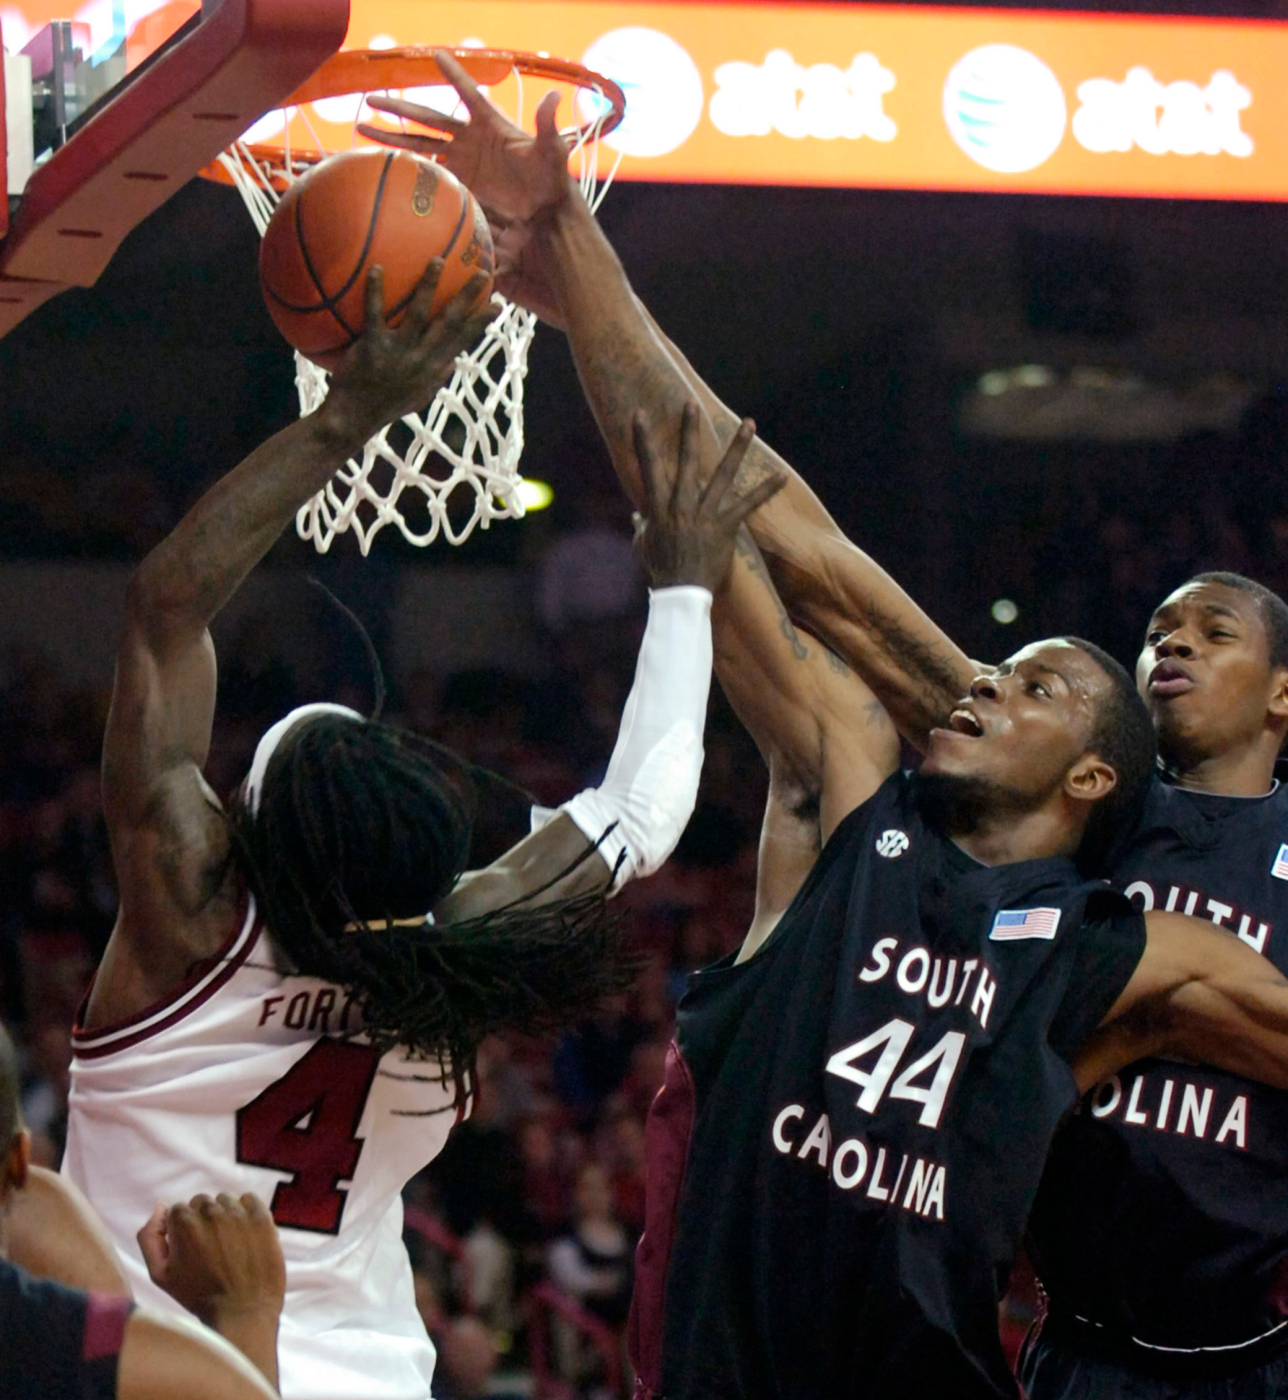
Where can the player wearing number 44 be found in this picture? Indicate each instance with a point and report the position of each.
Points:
(858, 1107)
(276, 1013)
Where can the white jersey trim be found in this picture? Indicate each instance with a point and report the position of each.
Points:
(104, 1040)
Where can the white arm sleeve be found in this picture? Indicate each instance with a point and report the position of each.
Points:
(648, 793)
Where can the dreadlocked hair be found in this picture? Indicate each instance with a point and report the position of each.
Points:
(361, 828)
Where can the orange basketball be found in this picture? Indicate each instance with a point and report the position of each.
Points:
(355, 211)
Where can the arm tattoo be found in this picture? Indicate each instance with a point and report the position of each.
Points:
(620, 377)
(756, 466)
(932, 682)
(938, 685)
(622, 372)
(757, 566)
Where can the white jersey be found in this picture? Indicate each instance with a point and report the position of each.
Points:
(249, 1080)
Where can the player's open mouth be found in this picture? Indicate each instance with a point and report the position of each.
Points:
(1168, 679)
(963, 721)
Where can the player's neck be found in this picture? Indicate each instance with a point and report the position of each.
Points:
(1245, 771)
(1010, 838)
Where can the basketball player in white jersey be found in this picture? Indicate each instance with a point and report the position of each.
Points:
(275, 1014)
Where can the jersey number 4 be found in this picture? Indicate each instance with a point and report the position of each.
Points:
(934, 1069)
(306, 1123)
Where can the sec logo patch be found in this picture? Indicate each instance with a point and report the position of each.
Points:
(892, 844)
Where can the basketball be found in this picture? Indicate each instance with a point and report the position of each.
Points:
(354, 211)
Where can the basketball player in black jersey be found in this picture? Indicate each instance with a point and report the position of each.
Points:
(858, 1105)
(1218, 701)
(1161, 1233)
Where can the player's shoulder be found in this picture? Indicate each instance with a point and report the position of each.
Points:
(1050, 894)
(893, 824)
(183, 1013)
(885, 825)
(890, 812)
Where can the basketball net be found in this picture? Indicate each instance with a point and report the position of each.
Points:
(463, 450)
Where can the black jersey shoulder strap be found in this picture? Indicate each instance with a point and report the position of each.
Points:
(887, 804)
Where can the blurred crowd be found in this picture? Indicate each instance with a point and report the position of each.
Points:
(522, 1232)
(1088, 537)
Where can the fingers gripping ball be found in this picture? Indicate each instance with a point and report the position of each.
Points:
(359, 210)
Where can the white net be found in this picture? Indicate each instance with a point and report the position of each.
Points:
(455, 467)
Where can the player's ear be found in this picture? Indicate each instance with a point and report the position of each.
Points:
(1090, 779)
(1277, 705)
(16, 1163)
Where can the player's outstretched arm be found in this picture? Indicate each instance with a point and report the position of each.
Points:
(165, 1357)
(638, 813)
(912, 666)
(826, 740)
(558, 261)
(170, 842)
(1201, 994)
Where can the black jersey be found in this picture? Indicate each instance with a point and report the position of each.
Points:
(853, 1122)
(1163, 1217)
(57, 1343)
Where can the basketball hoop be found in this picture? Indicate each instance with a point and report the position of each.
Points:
(463, 451)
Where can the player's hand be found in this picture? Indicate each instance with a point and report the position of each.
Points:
(221, 1259)
(521, 275)
(687, 533)
(390, 371)
(218, 1258)
(510, 173)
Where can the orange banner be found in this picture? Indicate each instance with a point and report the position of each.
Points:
(906, 96)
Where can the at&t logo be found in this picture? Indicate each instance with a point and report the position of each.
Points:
(1005, 108)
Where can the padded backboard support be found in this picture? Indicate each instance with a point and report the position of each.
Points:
(244, 59)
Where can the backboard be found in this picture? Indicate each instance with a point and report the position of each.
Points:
(117, 120)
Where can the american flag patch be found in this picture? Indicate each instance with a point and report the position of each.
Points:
(1280, 867)
(1025, 923)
